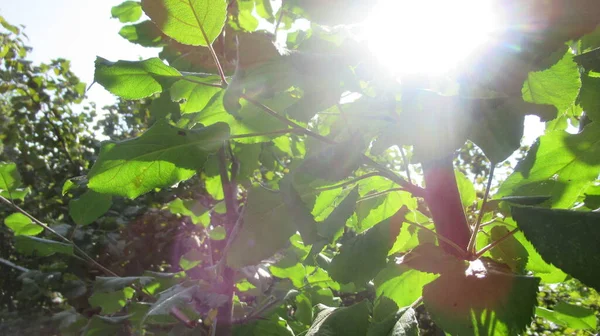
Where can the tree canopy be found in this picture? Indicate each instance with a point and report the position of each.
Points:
(280, 181)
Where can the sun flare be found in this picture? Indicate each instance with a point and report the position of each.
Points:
(428, 36)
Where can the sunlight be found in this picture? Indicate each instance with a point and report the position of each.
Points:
(428, 36)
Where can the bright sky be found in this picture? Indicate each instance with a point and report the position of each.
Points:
(77, 30)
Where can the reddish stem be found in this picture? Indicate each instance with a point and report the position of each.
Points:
(443, 198)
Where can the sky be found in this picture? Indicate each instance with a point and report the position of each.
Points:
(77, 30)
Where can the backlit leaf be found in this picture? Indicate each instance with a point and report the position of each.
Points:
(134, 79)
(192, 22)
(161, 157)
(194, 95)
(569, 316)
(22, 225)
(561, 165)
(128, 11)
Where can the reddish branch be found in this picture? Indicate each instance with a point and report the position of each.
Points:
(443, 199)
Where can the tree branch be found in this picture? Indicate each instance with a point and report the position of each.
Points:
(61, 237)
(385, 172)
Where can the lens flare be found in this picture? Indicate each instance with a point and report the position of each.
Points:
(428, 36)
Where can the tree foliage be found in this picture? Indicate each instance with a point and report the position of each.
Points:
(242, 193)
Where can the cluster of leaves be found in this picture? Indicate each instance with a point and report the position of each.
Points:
(298, 217)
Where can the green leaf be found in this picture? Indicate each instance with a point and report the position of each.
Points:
(300, 215)
(159, 158)
(560, 165)
(253, 119)
(402, 323)
(128, 11)
(363, 256)
(510, 251)
(10, 181)
(134, 79)
(179, 296)
(401, 284)
(332, 163)
(113, 284)
(67, 186)
(89, 207)
(371, 211)
(592, 197)
(163, 106)
(588, 96)
(266, 229)
(559, 85)
(295, 273)
(105, 325)
(111, 302)
(195, 96)
(481, 301)
(144, 33)
(567, 239)
(466, 189)
(345, 321)
(432, 259)
(273, 326)
(339, 216)
(569, 316)
(192, 208)
(192, 22)
(41, 247)
(217, 233)
(22, 225)
(525, 200)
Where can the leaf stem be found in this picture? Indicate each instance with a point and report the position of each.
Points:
(471, 246)
(282, 10)
(405, 162)
(354, 180)
(61, 237)
(377, 194)
(187, 79)
(277, 132)
(211, 49)
(494, 244)
(439, 237)
(385, 172)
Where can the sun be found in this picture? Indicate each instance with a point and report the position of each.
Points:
(429, 37)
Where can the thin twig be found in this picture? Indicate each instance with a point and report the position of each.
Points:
(439, 237)
(377, 194)
(253, 135)
(405, 162)
(471, 246)
(281, 11)
(494, 243)
(385, 172)
(416, 303)
(353, 181)
(188, 79)
(61, 237)
(230, 201)
(13, 265)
